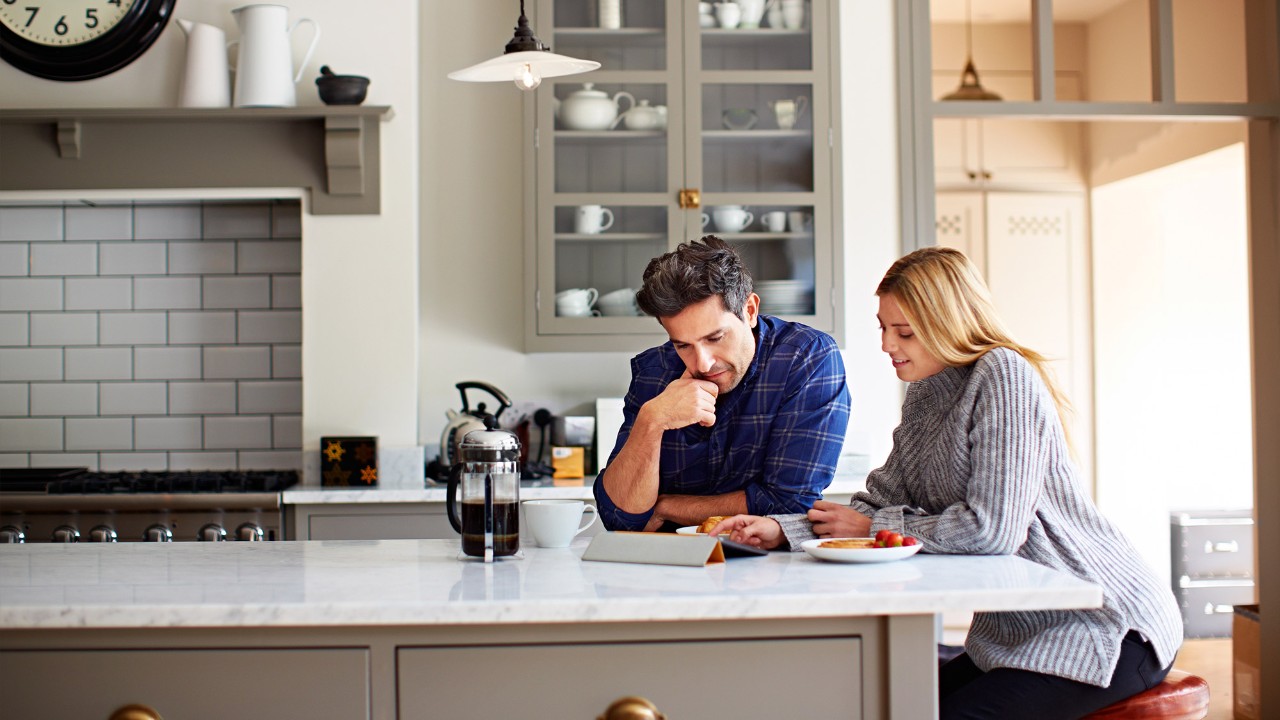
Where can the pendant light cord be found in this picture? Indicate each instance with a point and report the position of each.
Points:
(968, 27)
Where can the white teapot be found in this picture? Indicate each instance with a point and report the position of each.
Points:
(591, 109)
(641, 116)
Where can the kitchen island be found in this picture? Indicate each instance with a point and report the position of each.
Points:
(406, 629)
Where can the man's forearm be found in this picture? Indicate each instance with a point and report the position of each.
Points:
(693, 509)
(631, 480)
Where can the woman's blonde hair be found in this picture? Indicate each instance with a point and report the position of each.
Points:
(949, 306)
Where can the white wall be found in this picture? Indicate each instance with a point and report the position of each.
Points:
(1172, 346)
(360, 280)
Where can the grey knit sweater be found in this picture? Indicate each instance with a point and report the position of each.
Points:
(980, 466)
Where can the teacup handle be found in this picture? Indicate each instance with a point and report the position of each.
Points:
(592, 293)
(705, 219)
(802, 103)
(607, 223)
(746, 222)
(595, 515)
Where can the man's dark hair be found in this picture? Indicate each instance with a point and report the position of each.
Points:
(693, 272)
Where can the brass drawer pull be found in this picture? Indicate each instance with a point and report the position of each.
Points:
(135, 712)
(632, 708)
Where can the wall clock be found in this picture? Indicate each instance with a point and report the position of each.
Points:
(78, 39)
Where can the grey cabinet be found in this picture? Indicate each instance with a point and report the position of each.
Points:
(1212, 561)
(729, 141)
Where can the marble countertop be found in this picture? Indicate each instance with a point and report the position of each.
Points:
(389, 582)
(541, 490)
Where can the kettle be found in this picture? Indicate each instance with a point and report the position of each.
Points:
(591, 109)
(488, 474)
(466, 420)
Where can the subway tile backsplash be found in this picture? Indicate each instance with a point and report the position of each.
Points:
(151, 336)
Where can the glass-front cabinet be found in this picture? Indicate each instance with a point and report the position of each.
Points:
(703, 119)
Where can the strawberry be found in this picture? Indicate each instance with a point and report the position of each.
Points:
(908, 541)
(895, 540)
(883, 536)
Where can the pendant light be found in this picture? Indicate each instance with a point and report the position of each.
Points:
(970, 87)
(525, 61)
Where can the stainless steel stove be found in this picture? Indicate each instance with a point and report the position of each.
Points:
(68, 505)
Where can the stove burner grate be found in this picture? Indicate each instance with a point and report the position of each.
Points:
(168, 482)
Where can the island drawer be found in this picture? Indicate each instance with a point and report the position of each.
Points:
(207, 683)
(709, 679)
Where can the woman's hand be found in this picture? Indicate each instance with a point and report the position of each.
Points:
(835, 520)
(760, 532)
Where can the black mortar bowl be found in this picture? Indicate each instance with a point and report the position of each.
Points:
(341, 89)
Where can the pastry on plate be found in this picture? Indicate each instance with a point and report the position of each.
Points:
(711, 522)
(849, 543)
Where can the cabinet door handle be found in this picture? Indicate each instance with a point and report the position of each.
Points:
(1211, 609)
(135, 712)
(690, 198)
(632, 708)
(1221, 547)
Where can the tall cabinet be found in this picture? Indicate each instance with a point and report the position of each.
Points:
(725, 143)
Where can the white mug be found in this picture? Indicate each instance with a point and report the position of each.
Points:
(592, 219)
(556, 522)
(729, 14)
(576, 302)
(792, 14)
(619, 303)
(732, 218)
(775, 221)
(798, 221)
(787, 112)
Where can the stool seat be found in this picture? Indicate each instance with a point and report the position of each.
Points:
(1180, 696)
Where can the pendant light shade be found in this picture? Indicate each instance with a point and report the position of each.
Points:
(525, 61)
(970, 87)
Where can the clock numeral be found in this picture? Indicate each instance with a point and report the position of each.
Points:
(114, 2)
(91, 18)
(32, 18)
(60, 27)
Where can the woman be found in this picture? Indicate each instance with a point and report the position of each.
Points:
(981, 466)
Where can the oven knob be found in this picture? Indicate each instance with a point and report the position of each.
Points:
(251, 532)
(158, 533)
(11, 534)
(66, 534)
(212, 532)
(102, 533)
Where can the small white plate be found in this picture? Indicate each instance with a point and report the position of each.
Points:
(857, 555)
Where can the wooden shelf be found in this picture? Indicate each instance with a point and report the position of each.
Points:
(331, 150)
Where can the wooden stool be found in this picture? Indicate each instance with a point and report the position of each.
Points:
(1181, 696)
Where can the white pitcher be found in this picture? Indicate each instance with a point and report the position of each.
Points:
(206, 80)
(264, 65)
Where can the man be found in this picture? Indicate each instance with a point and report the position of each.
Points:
(738, 413)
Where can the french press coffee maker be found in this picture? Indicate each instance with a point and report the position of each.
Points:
(488, 473)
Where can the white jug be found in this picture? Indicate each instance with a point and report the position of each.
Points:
(206, 81)
(264, 65)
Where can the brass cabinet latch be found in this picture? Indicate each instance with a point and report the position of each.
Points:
(690, 198)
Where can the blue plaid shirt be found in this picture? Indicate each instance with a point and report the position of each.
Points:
(777, 435)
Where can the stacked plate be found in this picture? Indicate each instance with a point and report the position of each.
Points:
(785, 297)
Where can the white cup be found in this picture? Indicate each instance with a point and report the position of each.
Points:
(787, 112)
(775, 221)
(592, 219)
(798, 221)
(576, 302)
(555, 522)
(619, 303)
(792, 14)
(774, 15)
(732, 218)
(729, 14)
